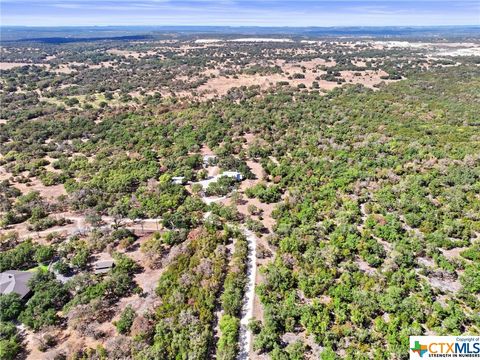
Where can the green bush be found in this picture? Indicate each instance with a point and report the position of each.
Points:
(227, 346)
(10, 307)
(125, 322)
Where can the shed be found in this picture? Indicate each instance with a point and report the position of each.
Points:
(208, 159)
(179, 180)
(103, 266)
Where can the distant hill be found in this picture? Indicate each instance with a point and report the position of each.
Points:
(74, 34)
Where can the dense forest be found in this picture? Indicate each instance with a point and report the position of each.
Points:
(376, 214)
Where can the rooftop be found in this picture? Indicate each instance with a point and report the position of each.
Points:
(103, 266)
(14, 281)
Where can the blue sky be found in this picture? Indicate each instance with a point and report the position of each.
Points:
(240, 12)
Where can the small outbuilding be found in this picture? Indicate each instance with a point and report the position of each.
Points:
(103, 266)
(208, 160)
(14, 281)
(179, 180)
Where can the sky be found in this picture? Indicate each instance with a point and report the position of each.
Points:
(240, 12)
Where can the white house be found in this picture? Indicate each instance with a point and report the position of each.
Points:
(233, 174)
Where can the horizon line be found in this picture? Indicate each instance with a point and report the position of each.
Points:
(249, 26)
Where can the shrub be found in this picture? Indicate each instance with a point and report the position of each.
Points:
(125, 322)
